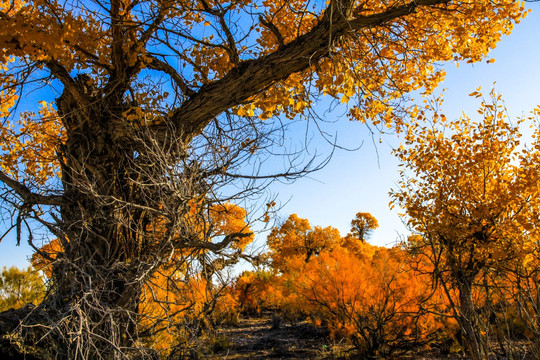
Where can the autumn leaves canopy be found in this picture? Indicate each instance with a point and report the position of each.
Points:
(254, 59)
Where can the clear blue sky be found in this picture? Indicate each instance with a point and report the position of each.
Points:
(360, 180)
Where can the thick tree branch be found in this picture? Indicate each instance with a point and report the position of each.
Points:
(27, 195)
(252, 76)
(160, 65)
(60, 72)
(273, 28)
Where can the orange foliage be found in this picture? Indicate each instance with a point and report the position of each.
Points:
(365, 62)
(473, 197)
(470, 197)
(375, 301)
(29, 146)
(295, 239)
(169, 304)
(257, 291)
(230, 219)
(48, 253)
(365, 293)
(362, 225)
(219, 221)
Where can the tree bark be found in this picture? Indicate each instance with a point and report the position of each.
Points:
(468, 320)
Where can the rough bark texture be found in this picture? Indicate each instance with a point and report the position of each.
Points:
(468, 321)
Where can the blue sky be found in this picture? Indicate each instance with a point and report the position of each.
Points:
(360, 180)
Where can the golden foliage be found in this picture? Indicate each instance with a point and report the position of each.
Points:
(470, 189)
(295, 239)
(20, 287)
(469, 192)
(362, 225)
(374, 66)
(375, 301)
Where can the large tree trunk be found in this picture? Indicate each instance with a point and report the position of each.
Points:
(98, 279)
(468, 321)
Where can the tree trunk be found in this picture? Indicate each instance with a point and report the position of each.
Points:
(468, 321)
(118, 222)
(98, 279)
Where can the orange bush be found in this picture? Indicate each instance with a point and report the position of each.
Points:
(375, 301)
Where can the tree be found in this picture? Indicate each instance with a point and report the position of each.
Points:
(121, 114)
(176, 293)
(296, 239)
(256, 291)
(467, 190)
(362, 226)
(20, 287)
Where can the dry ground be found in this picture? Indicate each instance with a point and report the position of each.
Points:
(255, 339)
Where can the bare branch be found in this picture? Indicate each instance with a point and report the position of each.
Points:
(28, 196)
(160, 65)
(216, 247)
